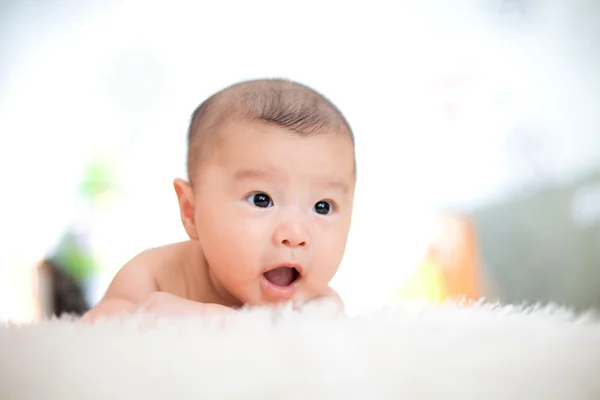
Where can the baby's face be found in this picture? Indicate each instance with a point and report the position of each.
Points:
(273, 211)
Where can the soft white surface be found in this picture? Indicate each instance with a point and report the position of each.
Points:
(450, 352)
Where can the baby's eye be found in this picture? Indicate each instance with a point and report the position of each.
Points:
(323, 207)
(261, 200)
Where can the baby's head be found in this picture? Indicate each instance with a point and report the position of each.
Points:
(271, 186)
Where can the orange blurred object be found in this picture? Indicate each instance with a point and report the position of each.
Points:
(450, 269)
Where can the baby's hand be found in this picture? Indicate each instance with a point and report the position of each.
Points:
(161, 303)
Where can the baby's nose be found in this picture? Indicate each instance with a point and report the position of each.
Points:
(294, 243)
(292, 234)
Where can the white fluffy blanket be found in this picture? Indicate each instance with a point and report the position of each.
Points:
(449, 352)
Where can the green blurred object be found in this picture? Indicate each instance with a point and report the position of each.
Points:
(99, 178)
(75, 258)
(74, 253)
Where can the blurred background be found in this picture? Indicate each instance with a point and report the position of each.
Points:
(476, 122)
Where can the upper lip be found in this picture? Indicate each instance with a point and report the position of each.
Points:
(297, 266)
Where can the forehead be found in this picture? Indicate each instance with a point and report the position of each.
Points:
(268, 147)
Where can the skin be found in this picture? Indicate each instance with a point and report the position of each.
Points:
(234, 239)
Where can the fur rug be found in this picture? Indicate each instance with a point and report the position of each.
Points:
(446, 352)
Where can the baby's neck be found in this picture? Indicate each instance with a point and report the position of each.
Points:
(201, 283)
(225, 298)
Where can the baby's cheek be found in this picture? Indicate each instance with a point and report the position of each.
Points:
(325, 268)
(243, 250)
(334, 246)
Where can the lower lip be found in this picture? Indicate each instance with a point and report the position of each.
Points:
(279, 292)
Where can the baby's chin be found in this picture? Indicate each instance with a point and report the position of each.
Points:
(296, 301)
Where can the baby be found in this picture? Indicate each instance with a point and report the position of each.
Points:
(267, 207)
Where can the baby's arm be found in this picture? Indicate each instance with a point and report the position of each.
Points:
(135, 287)
(130, 287)
(162, 303)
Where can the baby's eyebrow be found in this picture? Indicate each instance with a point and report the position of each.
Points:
(251, 173)
(337, 185)
(244, 174)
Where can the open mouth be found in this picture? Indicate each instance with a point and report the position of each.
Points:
(282, 276)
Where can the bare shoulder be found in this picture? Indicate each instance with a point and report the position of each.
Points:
(138, 280)
(139, 277)
(133, 282)
(130, 286)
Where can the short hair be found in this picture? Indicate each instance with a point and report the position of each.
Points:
(276, 101)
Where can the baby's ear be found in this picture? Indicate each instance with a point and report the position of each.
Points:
(185, 196)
